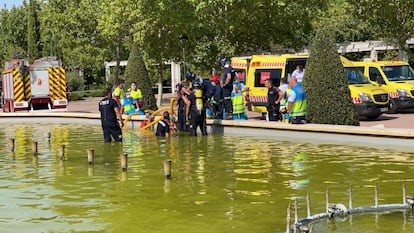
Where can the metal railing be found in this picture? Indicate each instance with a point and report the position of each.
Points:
(340, 210)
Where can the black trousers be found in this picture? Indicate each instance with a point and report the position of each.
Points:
(181, 121)
(217, 110)
(228, 106)
(273, 112)
(198, 121)
(111, 128)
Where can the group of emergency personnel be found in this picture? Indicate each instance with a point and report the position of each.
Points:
(114, 104)
(219, 99)
(129, 102)
(288, 99)
(223, 99)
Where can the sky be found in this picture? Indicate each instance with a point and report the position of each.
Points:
(10, 3)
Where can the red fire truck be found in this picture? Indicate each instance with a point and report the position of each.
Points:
(38, 86)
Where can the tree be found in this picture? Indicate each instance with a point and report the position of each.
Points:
(33, 34)
(137, 71)
(115, 21)
(347, 27)
(329, 98)
(68, 31)
(389, 19)
(158, 26)
(13, 25)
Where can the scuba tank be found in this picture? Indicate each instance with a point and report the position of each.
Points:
(199, 99)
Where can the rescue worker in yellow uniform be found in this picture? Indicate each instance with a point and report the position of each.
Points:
(237, 99)
(297, 102)
(136, 94)
(118, 94)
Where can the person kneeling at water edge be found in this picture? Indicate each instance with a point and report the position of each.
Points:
(110, 115)
(129, 104)
(163, 127)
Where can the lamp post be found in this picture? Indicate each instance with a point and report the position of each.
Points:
(183, 39)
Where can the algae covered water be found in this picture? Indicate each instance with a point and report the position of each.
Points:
(220, 183)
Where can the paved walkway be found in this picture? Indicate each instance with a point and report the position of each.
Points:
(401, 120)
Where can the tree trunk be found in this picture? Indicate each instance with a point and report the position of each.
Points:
(160, 80)
(118, 62)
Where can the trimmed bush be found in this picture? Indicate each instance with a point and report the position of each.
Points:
(137, 71)
(75, 96)
(329, 98)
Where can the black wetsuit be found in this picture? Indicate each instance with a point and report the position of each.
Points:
(181, 121)
(109, 121)
(227, 89)
(217, 107)
(162, 128)
(197, 118)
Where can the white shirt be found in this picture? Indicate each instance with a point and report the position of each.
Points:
(284, 87)
(291, 97)
(298, 74)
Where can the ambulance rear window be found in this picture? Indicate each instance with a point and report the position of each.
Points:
(261, 75)
(241, 75)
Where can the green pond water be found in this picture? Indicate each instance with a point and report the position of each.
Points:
(220, 183)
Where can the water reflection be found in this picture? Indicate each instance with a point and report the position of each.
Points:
(219, 183)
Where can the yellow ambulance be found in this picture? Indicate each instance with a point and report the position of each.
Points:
(370, 100)
(272, 67)
(241, 65)
(396, 77)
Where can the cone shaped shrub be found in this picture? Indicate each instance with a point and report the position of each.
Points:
(137, 71)
(329, 98)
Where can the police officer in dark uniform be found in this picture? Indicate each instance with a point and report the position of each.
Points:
(274, 96)
(197, 112)
(227, 82)
(110, 115)
(163, 127)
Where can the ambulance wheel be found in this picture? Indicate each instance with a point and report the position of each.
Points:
(373, 117)
(393, 107)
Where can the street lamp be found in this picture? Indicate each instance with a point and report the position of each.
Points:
(183, 39)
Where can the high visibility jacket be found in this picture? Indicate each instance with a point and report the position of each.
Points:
(300, 103)
(238, 102)
(284, 102)
(136, 94)
(118, 92)
(128, 104)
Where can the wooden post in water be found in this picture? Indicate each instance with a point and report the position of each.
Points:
(308, 203)
(376, 195)
(167, 168)
(327, 200)
(91, 156)
(124, 161)
(350, 196)
(62, 152)
(296, 212)
(34, 148)
(12, 144)
(124, 175)
(288, 219)
(90, 171)
(404, 193)
(49, 137)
